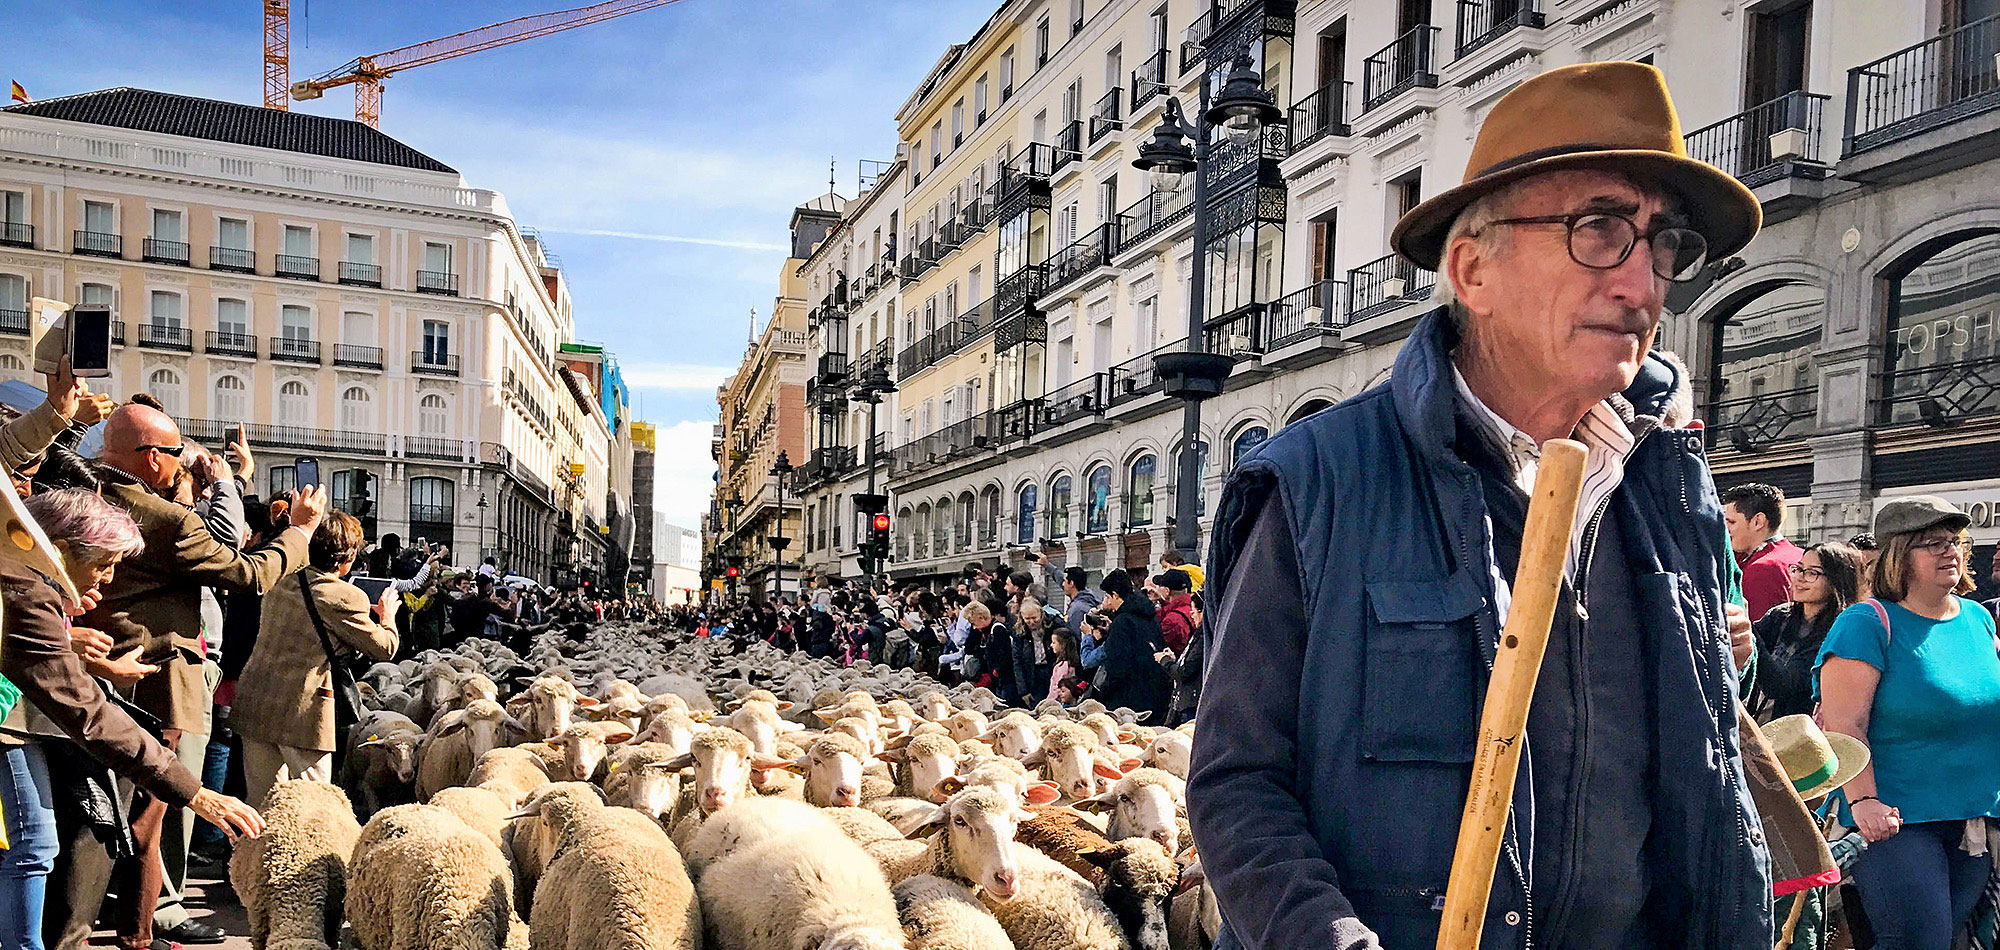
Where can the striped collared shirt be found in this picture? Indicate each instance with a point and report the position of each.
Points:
(1604, 434)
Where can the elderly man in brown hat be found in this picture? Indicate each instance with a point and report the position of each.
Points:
(1362, 561)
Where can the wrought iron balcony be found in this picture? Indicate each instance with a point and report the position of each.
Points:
(360, 275)
(1150, 79)
(1139, 376)
(227, 343)
(1090, 252)
(17, 234)
(14, 322)
(294, 350)
(166, 336)
(1148, 216)
(241, 260)
(296, 267)
(361, 357)
(1385, 282)
(1237, 334)
(833, 368)
(1749, 423)
(1405, 64)
(1940, 394)
(118, 333)
(949, 337)
(437, 282)
(98, 243)
(1922, 87)
(1035, 162)
(1069, 143)
(1317, 309)
(427, 447)
(164, 252)
(1108, 115)
(433, 363)
(1013, 293)
(1482, 21)
(1321, 113)
(977, 215)
(290, 437)
(1081, 399)
(1759, 145)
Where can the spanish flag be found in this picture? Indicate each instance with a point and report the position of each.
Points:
(20, 92)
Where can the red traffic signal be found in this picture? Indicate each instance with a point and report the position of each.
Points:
(732, 572)
(881, 522)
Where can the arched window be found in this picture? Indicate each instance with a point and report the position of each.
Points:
(166, 386)
(432, 420)
(1139, 490)
(294, 404)
(1249, 438)
(1941, 327)
(963, 526)
(922, 541)
(905, 530)
(431, 509)
(1097, 500)
(12, 363)
(232, 400)
(1311, 406)
(1024, 532)
(357, 410)
(1766, 385)
(1060, 499)
(989, 516)
(1200, 476)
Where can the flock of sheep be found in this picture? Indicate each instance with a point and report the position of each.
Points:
(642, 791)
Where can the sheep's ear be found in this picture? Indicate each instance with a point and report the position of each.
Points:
(702, 716)
(733, 704)
(1126, 735)
(784, 705)
(1095, 806)
(899, 742)
(1128, 765)
(1036, 759)
(762, 762)
(373, 740)
(946, 787)
(788, 726)
(679, 762)
(985, 737)
(1142, 715)
(1042, 793)
(893, 755)
(366, 689)
(525, 680)
(1106, 769)
(1101, 859)
(828, 716)
(932, 823)
(1021, 815)
(618, 732)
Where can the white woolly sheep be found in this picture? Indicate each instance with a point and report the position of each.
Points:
(455, 743)
(1016, 735)
(292, 879)
(758, 721)
(965, 724)
(484, 810)
(969, 839)
(1066, 756)
(640, 779)
(381, 768)
(1054, 908)
(616, 884)
(512, 772)
(943, 915)
(813, 889)
(584, 746)
(1171, 752)
(673, 728)
(421, 879)
(1144, 803)
(748, 823)
(529, 841)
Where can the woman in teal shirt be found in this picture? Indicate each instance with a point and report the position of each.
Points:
(1923, 690)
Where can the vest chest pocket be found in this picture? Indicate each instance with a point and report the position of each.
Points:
(1419, 693)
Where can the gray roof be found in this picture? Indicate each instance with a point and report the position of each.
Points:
(167, 113)
(829, 203)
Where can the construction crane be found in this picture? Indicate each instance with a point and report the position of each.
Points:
(277, 54)
(366, 74)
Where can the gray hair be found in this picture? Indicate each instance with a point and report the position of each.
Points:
(94, 530)
(1474, 222)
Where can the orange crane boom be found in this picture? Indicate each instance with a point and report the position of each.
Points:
(277, 53)
(366, 73)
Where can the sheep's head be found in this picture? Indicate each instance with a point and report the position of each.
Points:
(1139, 883)
(1015, 736)
(925, 761)
(978, 826)
(722, 761)
(481, 721)
(832, 767)
(1003, 775)
(1107, 729)
(1067, 756)
(859, 729)
(554, 700)
(1171, 752)
(556, 807)
(672, 728)
(1143, 804)
(399, 750)
(758, 721)
(584, 746)
(650, 786)
(965, 724)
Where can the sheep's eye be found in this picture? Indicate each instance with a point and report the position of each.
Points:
(1125, 799)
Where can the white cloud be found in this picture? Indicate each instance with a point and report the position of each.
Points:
(674, 375)
(683, 473)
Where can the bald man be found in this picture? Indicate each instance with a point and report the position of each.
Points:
(153, 606)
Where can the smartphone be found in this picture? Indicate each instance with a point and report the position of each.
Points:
(372, 586)
(305, 471)
(90, 340)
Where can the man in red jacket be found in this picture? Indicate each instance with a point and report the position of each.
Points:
(1177, 613)
(1753, 512)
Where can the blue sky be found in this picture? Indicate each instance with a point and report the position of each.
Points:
(660, 153)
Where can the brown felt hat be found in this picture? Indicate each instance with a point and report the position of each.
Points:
(1614, 116)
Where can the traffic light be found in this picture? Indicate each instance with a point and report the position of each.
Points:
(878, 536)
(360, 497)
(732, 572)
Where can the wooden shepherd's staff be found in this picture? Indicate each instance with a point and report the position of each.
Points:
(1516, 665)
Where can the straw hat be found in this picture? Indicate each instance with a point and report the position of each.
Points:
(1614, 116)
(1817, 762)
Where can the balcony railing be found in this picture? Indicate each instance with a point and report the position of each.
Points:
(1015, 422)
(1924, 86)
(1013, 293)
(166, 336)
(1480, 23)
(1081, 399)
(14, 322)
(1139, 376)
(1941, 393)
(947, 338)
(17, 234)
(1036, 161)
(1750, 422)
(1321, 113)
(437, 282)
(363, 357)
(436, 364)
(118, 333)
(1756, 144)
(1090, 252)
(1069, 143)
(832, 367)
(164, 252)
(1238, 334)
(1150, 79)
(293, 350)
(241, 260)
(287, 437)
(417, 446)
(1384, 281)
(228, 343)
(362, 275)
(1108, 116)
(1149, 215)
(98, 243)
(1318, 308)
(1400, 66)
(296, 267)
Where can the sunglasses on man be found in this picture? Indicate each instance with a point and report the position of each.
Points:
(173, 450)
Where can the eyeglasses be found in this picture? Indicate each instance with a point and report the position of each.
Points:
(173, 450)
(1812, 573)
(1936, 547)
(1601, 240)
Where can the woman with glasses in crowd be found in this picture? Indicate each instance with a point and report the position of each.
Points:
(1825, 581)
(1914, 672)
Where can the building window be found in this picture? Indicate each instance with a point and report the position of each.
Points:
(95, 294)
(437, 341)
(166, 386)
(1075, 17)
(1249, 438)
(12, 364)
(1059, 503)
(167, 226)
(1024, 516)
(1139, 490)
(284, 478)
(294, 404)
(1941, 332)
(1097, 501)
(1042, 43)
(100, 217)
(1146, 324)
(958, 123)
(1200, 476)
(357, 410)
(232, 233)
(978, 102)
(295, 324)
(432, 509)
(166, 312)
(13, 207)
(1243, 266)
(437, 257)
(432, 420)
(357, 328)
(361, 249)
(298, 241)
(232, 399)
(232, 318)
(14, 294)
(937, 143)
(1765, 384)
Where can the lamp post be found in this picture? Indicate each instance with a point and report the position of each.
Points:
(1242, 110)
(781, 469)
(481, 546)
